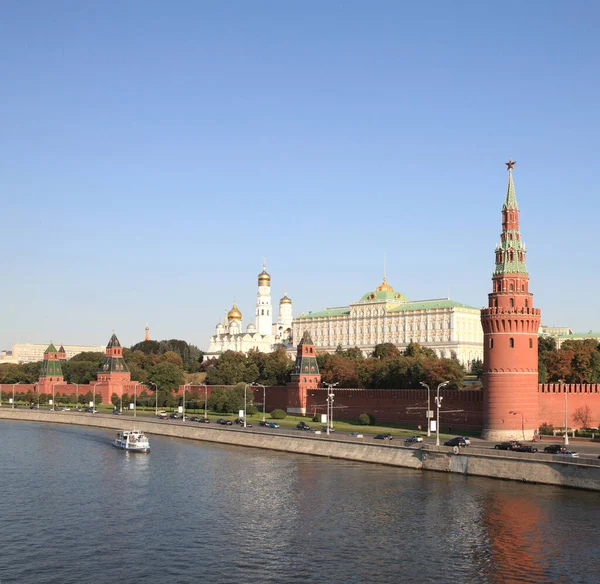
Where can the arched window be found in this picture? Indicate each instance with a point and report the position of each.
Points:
(531, 343)
(526, 303)
(262, 312)
(511, 343)
(512, 302)
(512, 287)
(491, 343)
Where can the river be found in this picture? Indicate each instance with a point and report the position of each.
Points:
(74, 509)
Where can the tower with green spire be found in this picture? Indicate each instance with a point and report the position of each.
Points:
(51, 373)
(305, 375)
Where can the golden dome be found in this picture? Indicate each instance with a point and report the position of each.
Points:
(285, 300)
(384, 286)
(234, 313)
(263, 278)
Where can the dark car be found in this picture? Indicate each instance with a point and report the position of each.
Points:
(555, 449)
(331, 429)
(224, 422)
(525, 448)
(248, 425)
(263, 423)
(386, 436)
(511, 445)
(458, 441)
(174, 416)
(273, 425)
(204, 420)
(163, 417)
(302, 426)
(117, 412)
(194, 419)
(239, 421)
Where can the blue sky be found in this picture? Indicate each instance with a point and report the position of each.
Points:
(153, 152)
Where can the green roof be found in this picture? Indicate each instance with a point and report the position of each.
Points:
(51, 368)
(429, 305)
(575, 336)
(511, 197)
(327, 313)
(51, 349)
(379, 295)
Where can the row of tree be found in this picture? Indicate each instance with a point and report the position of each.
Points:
(574, 362)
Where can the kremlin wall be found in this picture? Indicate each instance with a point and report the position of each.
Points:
(512, 405)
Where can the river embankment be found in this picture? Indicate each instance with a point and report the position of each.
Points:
(525, 467)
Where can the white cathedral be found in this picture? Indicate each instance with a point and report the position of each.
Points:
(264, 335)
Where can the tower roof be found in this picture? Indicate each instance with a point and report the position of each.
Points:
(285, 300)
(51, 349)
(114, 342)
(306, 340)
(511, 198)
(234, 313)
(264, 279)
(62, 349)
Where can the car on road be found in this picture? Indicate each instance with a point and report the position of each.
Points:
(525, 448)
(302, 426)
(356, 435)
(386, 436)
(64, 409)
(204, 420)
(414, 439)
(264, 423)
(510, 445)
(555, 449)
(569, 453)
(194, 419)
(117, 412)
(248, 425)
(91, 410)
(174, 416)
(273, 425)
(163, 416)
(331, 429)
(224, 422)
(458, 441)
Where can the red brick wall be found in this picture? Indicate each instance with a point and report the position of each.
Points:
(551, 400)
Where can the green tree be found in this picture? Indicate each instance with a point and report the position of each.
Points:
(231, 368)
(477, 368)
(166, 375)
(419, 352)
(385, 351)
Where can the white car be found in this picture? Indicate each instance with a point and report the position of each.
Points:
(414, 439)
(66, 409)
(356, 435)
(569, 453)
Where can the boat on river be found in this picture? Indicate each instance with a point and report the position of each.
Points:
(132, 440)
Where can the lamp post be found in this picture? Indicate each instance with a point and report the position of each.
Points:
(155, 395)
(76, 391)
(94, 399)
(205, 399)
(13, 400)
(428, 408)
(245, 392)
(264, 398)
(329, 400)
(438, 401)
(53, 400)
(134, 399)
(37, 390)
(562, 384)
(183, 408)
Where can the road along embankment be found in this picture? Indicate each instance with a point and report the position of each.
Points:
(534, 468)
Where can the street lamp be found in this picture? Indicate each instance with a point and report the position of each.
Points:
(155, 395)
(562, 384)
(94, 400)
(245, 392)
(76, 391)
(264, 398)
(53, 400)
(329, 400)
(438, 401)
(13, 401)
(428, 408)
(37, 389)
(183, 409)
(134, 398)
(205, 398)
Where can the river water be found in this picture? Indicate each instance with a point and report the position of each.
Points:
(73, 509)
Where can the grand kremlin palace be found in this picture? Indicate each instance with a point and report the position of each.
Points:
(449, 328)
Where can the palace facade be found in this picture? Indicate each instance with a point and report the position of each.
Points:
(383, 315)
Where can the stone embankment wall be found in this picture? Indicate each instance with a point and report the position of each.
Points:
(540, 468)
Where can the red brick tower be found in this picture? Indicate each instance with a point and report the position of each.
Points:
(510, 334)
(305, 375)
(114, 369)
(62, 354)
(51, 373)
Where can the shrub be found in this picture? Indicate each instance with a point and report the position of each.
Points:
(364, 419)
(252, 410)
(278, 415)
(372, 419)
(546, 430)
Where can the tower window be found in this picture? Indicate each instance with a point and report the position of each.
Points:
(512, 302)
(522, 287)
(512, 287)
(531, 343)
(491, 343)
(526, 303)
(262, 312)
(511, 343)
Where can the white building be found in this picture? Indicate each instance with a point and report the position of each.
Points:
(30, 352)
(449, 328)
(263, 334)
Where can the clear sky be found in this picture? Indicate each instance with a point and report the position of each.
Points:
(152, 153)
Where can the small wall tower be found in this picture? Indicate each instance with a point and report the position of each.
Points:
(62, 354)
(51, 373)
(264, 306)
(510, 333)
(305, 375)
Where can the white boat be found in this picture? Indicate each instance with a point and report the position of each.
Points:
(132, 440)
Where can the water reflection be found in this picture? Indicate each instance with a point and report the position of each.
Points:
(218, 513)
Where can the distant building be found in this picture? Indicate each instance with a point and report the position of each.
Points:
(449, 328)
(30, 352)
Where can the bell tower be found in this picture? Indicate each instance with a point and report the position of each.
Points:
(264, 306)
(510, 333)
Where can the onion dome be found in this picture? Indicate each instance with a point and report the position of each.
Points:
(263, 278)
(285, 300)
(384, 286)
(234, 313)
